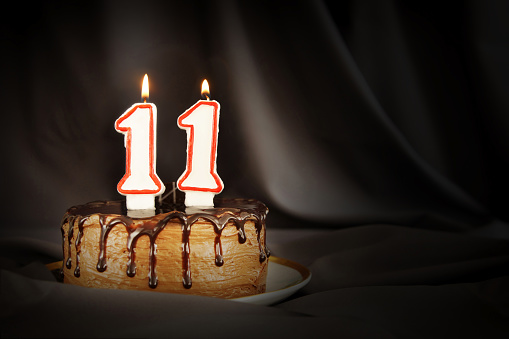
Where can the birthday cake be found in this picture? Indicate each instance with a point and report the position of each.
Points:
(216, 251)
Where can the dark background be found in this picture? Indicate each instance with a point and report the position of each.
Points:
(356, 122)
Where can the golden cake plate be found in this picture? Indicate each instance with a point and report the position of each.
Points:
(284, 278)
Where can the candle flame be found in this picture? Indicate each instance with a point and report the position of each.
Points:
(144, 89)
(205, 91)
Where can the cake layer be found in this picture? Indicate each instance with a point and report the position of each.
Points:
(218, 251)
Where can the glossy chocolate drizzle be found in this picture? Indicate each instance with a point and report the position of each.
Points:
(113, 213)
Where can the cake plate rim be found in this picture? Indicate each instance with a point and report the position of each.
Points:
(290, 277)
(285, 277)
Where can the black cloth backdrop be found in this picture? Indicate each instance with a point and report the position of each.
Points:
(377, 133)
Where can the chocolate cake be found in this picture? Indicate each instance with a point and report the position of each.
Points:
(219, 251)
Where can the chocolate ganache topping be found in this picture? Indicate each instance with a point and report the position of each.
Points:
(114, 213)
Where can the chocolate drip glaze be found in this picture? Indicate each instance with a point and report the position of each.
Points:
(111, 214)
(72, 221)
(105, 230)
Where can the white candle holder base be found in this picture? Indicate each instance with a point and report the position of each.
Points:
(141, 213)
(199, 199)
(140, 202)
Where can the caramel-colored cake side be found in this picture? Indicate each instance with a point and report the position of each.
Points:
(218, 252)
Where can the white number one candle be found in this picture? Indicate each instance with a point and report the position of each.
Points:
(140, 183)
(200, 181)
